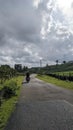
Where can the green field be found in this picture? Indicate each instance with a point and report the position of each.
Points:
(66, 73)
(8, 105)
(60, 83)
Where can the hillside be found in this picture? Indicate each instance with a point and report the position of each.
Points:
(58, 68)
(53, 68)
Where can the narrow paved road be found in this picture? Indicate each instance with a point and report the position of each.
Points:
(42, 106)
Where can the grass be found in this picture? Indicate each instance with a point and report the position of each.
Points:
(67, 73)
(64, 84)
(8, 106)
(1, 86)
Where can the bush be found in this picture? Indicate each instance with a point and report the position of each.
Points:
(10, 89)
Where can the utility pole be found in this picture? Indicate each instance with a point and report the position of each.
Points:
(40, 63)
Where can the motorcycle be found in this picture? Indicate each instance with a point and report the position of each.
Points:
(27, 79)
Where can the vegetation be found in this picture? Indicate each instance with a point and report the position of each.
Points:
(64, 67)
(65, 84)
(10, 82)
(20, 69)
(11, 91)
(6, 72)
(61, 76)
(62, 71)
(67, 73)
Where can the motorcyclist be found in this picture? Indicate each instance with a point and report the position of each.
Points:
(27, 77)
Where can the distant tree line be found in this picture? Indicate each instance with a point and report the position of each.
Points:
(6, 72)
(20, 69)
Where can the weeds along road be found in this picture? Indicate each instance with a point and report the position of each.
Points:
(42, 106)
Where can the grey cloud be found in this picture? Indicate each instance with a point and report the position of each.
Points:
(72, 5)
(20, 37)
(58, 15)
(46, 5)
(19, 20)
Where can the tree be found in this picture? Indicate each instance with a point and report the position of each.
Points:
(6, 72)
(57, 62)
(64, 62)
(18, 67)
(25, 68)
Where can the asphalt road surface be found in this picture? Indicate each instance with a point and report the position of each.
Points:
(42, 106)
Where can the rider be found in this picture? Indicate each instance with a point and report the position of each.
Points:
(27, 77)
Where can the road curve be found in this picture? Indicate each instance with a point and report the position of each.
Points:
(42, 106)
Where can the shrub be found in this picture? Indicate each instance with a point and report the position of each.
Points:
(10, 89)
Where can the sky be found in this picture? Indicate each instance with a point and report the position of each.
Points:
(34, 30)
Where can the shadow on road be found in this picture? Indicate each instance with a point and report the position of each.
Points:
(25, 82)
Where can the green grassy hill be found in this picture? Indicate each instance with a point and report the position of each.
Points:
(53, 68)
(57, 68)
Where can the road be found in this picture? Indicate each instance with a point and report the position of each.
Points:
(42, 106)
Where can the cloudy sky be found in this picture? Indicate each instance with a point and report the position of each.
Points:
(31, 30)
